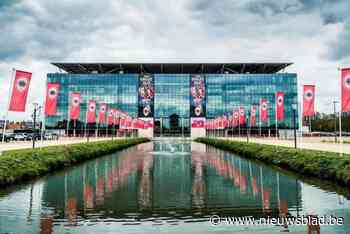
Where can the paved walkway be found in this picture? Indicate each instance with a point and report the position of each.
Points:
(314, 143)
(61, 141)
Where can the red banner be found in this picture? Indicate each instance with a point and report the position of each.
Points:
(51, 99)
(91, 112)
(252, 116)
(102, 113)
(20, 91)
(280, 106)
(241, 115)
(111, 116)
(309, 100)
(235, 118)
(197, 122)
(74, 110)
(264, 113)
(345, 90)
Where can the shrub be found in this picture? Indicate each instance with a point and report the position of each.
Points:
(16, 165)
(325, 165)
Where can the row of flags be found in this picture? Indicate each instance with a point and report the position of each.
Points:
(22, 81)
(238, 117)
(105, 115)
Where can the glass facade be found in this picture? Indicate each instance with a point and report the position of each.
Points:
(223, 93)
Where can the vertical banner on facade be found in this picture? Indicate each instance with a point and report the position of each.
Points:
(74, 108)
(20, 91)
(252, 116)
(197, 96)
(241, 115)
(51, 99)
(146, 96)
(102, 113)
(309, 100)
(345, 90)
(280, 106)
(264, 113)
(91, 112)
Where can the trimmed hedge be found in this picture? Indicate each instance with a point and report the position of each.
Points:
(324, 165)
(24, 164)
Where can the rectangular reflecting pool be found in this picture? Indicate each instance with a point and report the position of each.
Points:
(169, 186)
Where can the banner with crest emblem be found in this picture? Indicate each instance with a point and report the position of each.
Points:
(197, 96)
(146, 96)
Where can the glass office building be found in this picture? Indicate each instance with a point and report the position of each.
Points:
(168, 98)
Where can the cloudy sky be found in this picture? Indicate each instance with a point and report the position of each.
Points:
(313, 34)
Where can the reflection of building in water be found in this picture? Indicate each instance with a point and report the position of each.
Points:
(145, 186)
(144, 182)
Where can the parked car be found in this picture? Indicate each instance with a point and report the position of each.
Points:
(7, 137)
(20, 137)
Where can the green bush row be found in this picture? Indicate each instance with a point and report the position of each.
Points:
(324, 165)
(17, 165)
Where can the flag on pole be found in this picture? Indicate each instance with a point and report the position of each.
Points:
(264, 114)
(20, 91)
(102, 113)
(309, 100)
(111, 116)
(345, 90)
(116, 116)
(241, 115)
(74, 110)
(235, 118)
(252, 116)
(280, 106)
(91, 112)
(51, 99)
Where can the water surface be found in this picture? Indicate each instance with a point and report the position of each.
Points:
(165, 187)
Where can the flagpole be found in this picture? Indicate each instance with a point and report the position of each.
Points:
(239, 124)
(276, 121)
(8, 104)
(68, 117)
(260, 118)
(340, 108)
(43, 122)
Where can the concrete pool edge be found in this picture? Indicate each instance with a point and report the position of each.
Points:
(320, 164)
(25, 164)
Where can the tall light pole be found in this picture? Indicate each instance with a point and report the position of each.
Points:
(35, 111)
(294, 107)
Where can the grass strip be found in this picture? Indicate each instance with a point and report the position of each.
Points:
(25, 164)
(324, 165)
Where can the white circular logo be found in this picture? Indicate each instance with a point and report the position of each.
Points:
(92, 107)
(76, 101)
(241, 112)
(103, 108)
(264, 106)
(198, 111)
(347, 82)
(21, 84)
(146, 111)
(280, 100)
(52, 93)
(308, 94)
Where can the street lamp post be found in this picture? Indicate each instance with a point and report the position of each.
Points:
(36, 109)
(294, 107)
